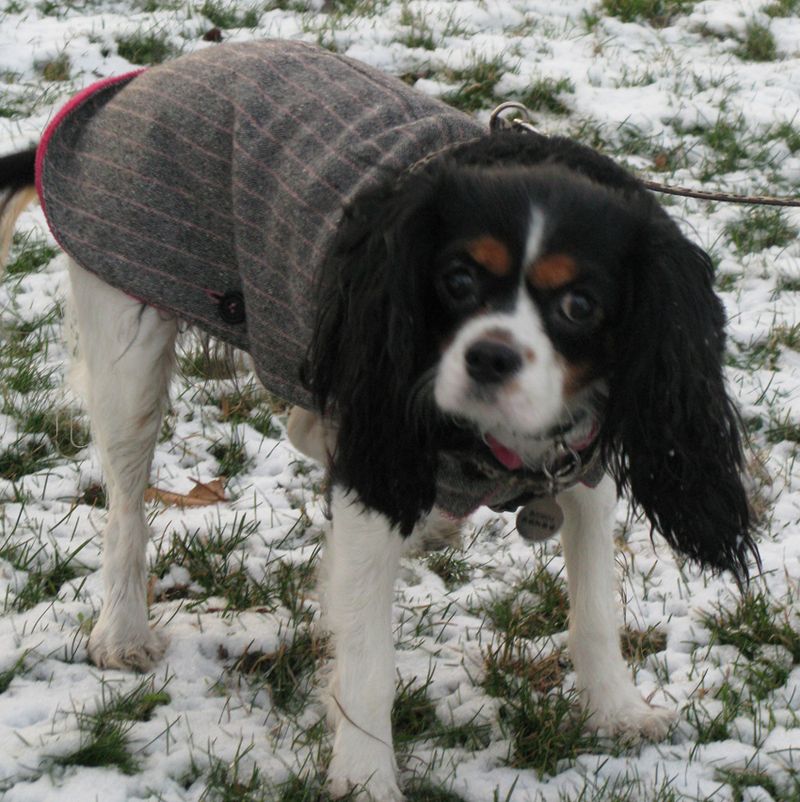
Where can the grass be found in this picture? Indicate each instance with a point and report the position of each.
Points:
(769, 645)
(23, 457)
(235, 782)
(362, 8)
(536, 607)
(758, 44)
(790, 135)
(638, 645)
(546, 730)
(414, 719)
(224, 784)
(476, 84)
(546, 95)
(228, 15)
(58, 69)
(506, 666)
(418, 32)
(7, 676)
(46, 575)
(782, 8)
(766, 353)
(730, 144)
(755, 621)
(743, 779)
(146, 47)
(252, 405)
(28, 99)
(286, 672)
(413, 714)
(66, 432)
(25, 342)
(105, 740)
(216, 563)
(729, 148)
(759, 228)
(25, 377)
(450, 567)
(207, 362)
(658, 13)
(231, 455)
(781, 430)
(518, 676)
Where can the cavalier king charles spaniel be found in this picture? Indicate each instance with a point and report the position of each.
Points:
(516, 311)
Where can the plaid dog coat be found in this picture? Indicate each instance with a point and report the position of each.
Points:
(212, 186)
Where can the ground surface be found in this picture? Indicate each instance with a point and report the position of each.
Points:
(704, 93)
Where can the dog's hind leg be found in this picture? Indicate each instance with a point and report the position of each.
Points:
(361, 560)
(126, 351)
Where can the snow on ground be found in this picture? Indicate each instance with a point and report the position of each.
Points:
(697, 101)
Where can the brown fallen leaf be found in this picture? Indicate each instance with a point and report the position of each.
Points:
(201, 495)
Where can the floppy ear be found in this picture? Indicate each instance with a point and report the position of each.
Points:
(671, 432)
(371, 346)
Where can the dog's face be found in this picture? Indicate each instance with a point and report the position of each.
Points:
(527, 291)
(513, 303)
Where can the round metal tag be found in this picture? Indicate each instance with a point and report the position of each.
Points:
(540, 519)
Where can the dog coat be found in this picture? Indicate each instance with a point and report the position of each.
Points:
(211, 187)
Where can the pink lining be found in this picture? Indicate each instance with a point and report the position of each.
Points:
(71, 105)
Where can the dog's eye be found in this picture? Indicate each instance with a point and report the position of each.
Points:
(458, 285)
(578, 308)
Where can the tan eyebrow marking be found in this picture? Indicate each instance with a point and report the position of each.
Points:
(491, 254)
(552, 271)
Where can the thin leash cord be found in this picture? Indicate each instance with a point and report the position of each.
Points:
(726, 197)
(499, 123)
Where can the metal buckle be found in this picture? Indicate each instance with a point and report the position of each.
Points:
(561, 467)
(499, 123)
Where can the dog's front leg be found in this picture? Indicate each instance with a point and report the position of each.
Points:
(361, 561)
(604, 680)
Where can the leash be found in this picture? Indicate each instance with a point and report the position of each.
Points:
(497, 122)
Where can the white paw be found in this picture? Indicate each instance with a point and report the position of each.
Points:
(124, 647)
(631, 717)
(362, 766)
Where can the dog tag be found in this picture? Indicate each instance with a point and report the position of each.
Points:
(540, 519)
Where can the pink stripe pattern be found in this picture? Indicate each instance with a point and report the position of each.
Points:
(227, 171)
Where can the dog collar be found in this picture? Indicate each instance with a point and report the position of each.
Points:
(565, 449)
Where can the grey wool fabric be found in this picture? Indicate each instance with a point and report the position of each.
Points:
(224, 174)
(211, 187)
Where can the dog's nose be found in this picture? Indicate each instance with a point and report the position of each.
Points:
(490, 362)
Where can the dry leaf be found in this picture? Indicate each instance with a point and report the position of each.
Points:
(201, 495)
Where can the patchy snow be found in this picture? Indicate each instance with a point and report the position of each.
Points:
(646, 92)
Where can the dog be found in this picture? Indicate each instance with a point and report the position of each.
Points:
(463, 318)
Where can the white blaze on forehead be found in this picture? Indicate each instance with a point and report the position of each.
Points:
(529, 401)
(534, 242)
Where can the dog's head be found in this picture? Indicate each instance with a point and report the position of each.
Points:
(518, 288)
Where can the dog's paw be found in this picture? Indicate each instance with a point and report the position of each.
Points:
(635, 719)
(362, 768)
(137, 652)
(375, 789)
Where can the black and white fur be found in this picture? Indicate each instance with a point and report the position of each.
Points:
(515, 287)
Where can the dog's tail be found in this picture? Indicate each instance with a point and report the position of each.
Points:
(17, 190)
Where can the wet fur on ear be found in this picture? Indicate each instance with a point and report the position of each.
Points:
(671, 434)
(371, 346)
